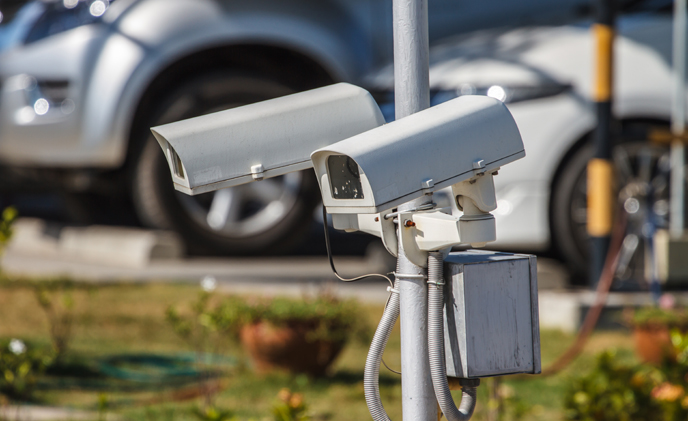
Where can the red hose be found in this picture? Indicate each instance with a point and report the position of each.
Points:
(603, 286)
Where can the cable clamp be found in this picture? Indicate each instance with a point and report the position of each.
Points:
(393, 290)
(425, 207)
(438, 283)
(409, 275)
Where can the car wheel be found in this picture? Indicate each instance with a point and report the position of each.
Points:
(569, 213)
(260, 217)
(642, 191)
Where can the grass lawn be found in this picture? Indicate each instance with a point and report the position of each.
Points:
(127, 318)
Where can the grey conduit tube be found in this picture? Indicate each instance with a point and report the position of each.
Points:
(438, 370)
(371, 374)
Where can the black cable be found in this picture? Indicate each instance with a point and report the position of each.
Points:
(387, 367)
(358, 278)
(329, 256)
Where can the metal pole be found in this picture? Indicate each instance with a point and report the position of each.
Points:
(600, 168)
(412, 94)
(678, 122)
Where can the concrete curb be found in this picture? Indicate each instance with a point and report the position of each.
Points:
(128, 247)
(47, 413)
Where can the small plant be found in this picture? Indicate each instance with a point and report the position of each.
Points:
(331, 319)
(9, 215)
(20, 366)
(211, 413)
(198, 329)
(290, 407)
(659, 317)
(652, 326)
(298, 335)
(56, 298)
(503, 404)
(103, 404)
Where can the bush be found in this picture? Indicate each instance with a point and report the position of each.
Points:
(20, 366)
(654, 317)
(7, 218)
(331, 319)
(612, 391)
(9, 215)
(290, 407)
(56, 299)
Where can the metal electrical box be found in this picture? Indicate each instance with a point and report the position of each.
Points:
(491, 314)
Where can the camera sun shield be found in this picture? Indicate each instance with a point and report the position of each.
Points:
(265, 139)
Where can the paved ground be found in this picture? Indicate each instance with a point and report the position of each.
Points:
(560, 308)
(35, 253)
(292, 275)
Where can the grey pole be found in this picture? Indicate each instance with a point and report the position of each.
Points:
(678, 122)
(412, 94)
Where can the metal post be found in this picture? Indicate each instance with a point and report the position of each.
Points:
(678, 123)
(412, 94)
(600, 168)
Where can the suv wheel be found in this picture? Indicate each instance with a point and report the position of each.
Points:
(260, 217)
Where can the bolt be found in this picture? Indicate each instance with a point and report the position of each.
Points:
(409, 224)
(377, 219)
(472, 181)
(495, 173)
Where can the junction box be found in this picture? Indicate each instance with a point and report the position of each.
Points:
(491, 314)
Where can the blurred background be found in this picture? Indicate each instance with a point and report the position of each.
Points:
(90, 204)
(83, 82)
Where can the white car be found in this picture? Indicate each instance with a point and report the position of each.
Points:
(544, 74)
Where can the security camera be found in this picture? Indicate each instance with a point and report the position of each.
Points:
(265, 139)
(460, 140)
(457, 146)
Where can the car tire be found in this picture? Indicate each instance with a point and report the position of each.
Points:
(569, 218)
(289, 200)
(569, 200)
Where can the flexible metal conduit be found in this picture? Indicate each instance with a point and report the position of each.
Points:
(438, 369)
(371, 374)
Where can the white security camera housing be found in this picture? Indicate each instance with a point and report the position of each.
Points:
(382, 168)
(265, 139)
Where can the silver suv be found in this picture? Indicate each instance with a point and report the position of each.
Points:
(83, 80)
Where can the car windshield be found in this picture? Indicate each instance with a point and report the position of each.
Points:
(64, 15)
(14, 26)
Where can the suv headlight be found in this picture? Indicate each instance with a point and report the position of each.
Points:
(507, 94)
(61, 16)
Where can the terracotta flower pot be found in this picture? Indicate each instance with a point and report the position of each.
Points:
(653, 343)
(288, 348)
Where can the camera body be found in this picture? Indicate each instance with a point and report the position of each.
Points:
(462, 139)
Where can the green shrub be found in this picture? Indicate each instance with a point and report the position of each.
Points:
(613, 391)
(20, 366)
(653, 317)
(9, 215)
(57, 300)
(7, 218)
(332, 319)
(290, 407)
(211, 413)
(197, 326)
